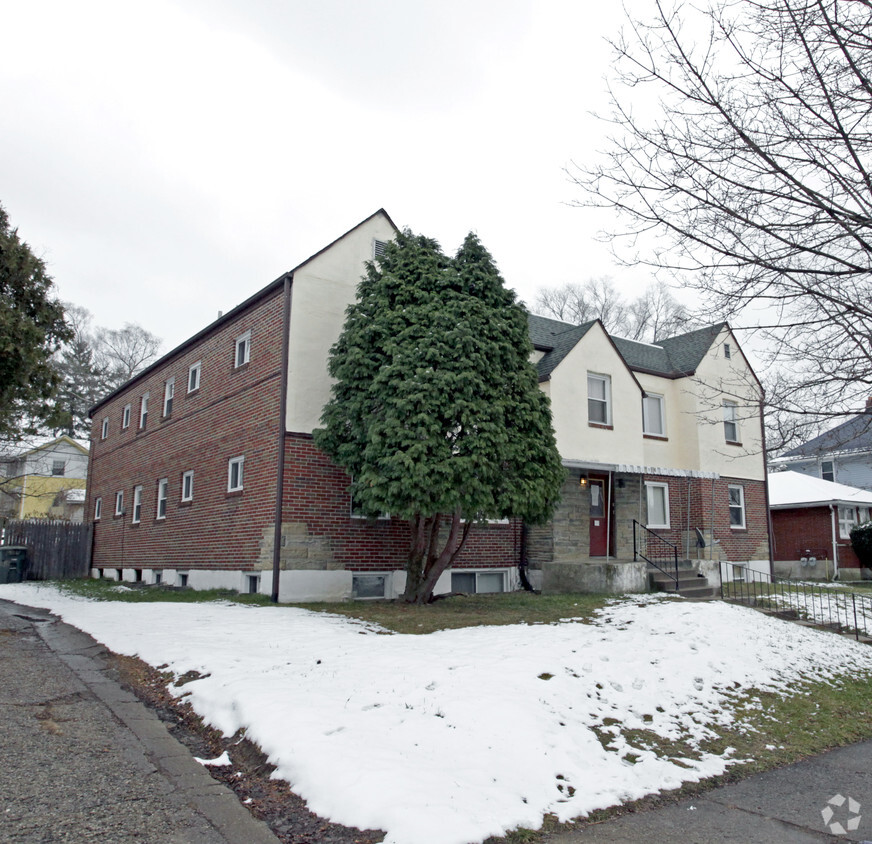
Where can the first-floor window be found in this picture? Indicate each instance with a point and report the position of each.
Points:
(847, 521)
(234, 473)
(162, 486)
(188, 486)
(98, 508)
(657, 495)
(119, 503)
(737, 506)
(137, 504)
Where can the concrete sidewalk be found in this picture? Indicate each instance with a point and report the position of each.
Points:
(782, 806)
(84, 761)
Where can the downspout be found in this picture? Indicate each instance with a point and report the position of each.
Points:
(833, 519)
(712, 526)
(280, 467)
(769, 531)
(609, 520)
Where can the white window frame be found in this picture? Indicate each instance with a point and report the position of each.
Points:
(659, 485)
(660, 401)
(169, 394)
(237, 484)
(188, 477)
(98, 508)
(119, 503)
(137, 505)
(194, 376)
(740, 506)
(104, 428)
(243, 344)
(606, 381)
(143, 411)
(163, 486)
(847, 521)
(58, 468)
(125, 417)
(731, 418)
(832, 465)
(862, 515)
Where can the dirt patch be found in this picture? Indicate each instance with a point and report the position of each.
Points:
(269, 800)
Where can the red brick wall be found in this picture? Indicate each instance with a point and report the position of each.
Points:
(235, 412)
(809, 528)
(316, 493)
(699, 496)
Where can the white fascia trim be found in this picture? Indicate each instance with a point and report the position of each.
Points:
(630, 469)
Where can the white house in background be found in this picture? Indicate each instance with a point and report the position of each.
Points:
(842, 454)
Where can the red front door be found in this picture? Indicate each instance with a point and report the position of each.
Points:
(599, 525)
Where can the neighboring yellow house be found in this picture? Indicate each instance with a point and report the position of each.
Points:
(47, 480)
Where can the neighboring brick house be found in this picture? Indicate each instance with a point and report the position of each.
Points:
(185, 471)
(811, 526)
(842, 455)
(44, 479)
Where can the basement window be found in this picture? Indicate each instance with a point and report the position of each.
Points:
(252, 584)
(478, 582)
(369, 585)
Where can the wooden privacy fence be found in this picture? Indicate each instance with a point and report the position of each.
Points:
(54, 549)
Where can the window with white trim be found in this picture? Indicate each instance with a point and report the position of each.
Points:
(243, 349)
(169, 392)
(235, 473)
(862, 515)
(125, 417)
(847, 521)
(163, 486)
(194, 376)
(828, 470)
(58, 468)
(736, 496)
(143, 411)
(728, 351)
(478, 582)
(731, 421)
(119, 503)
(653, 416)
(104, 428)
(188, 486)
(598, 399)
(657, 498)
(98, 508)
(137, 505)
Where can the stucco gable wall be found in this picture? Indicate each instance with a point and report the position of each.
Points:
(576, 438)
(718, 378)
(680, 449)
(323, 289)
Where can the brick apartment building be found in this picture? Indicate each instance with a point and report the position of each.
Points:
(193, 462)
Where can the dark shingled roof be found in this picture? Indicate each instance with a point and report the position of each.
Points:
(673, 357)
(853, 435)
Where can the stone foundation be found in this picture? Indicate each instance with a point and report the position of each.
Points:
(610, 578)
(300, 550)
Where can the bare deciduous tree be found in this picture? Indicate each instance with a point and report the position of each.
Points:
(122, 353)
(654, 314)
(751, 181)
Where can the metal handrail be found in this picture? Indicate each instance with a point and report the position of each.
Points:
(664, 551)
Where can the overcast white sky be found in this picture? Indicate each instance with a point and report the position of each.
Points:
(168, 159)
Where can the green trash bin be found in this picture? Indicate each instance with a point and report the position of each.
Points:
(13, 563)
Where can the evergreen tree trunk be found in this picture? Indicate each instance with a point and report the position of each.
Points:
(422, 573)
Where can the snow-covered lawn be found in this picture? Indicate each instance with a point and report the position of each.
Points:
(453, 736)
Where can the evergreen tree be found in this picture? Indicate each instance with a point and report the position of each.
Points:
(436, 411)
(32, 328)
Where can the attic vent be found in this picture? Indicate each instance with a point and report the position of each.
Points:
(378, 248)
(728, 352)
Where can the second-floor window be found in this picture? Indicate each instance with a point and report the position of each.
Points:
(828, 470)
(653, 420)
(125, 416)
(98, 508)
(234, 473)
(243, 349)
(731, 421)
(188, 486)
(169, 392)
(58, 467)
(194, 377)
(143, 410)
(598, 399)
(119, 503)
(104, 428)
(137, 505)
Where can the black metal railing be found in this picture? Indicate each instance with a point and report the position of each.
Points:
(656, 551)
(836, 606)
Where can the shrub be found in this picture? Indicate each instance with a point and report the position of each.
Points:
(861, 539)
